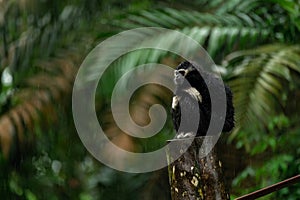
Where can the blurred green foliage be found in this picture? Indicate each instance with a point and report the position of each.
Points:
(255, 43)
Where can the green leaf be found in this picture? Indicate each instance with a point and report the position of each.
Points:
(259, 83)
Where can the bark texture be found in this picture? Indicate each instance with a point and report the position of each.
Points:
(193, 175)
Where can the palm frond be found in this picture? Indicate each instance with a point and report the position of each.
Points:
(233, 6)
(217, 38)
(172, 18)
(45, 35)
(39, 82)
(259, 82)
(214, 32)
(36, 102)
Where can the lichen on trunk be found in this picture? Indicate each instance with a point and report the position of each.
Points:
(192, 175)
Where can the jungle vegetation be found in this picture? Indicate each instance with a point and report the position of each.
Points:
(254, 43)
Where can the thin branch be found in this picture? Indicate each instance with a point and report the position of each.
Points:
(268, 190)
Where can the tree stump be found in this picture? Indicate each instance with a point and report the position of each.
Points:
(193, 176)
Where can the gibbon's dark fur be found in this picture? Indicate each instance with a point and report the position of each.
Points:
(195, 97)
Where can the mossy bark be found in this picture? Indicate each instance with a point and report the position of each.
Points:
(197, 173)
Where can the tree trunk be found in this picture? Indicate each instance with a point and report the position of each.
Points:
(193, 176)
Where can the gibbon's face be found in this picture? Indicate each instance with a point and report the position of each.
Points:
(185, 71)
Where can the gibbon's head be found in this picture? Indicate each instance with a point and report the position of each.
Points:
(187, 71)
